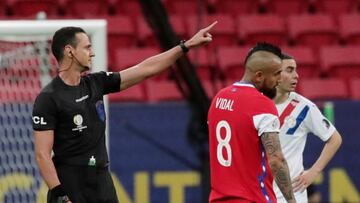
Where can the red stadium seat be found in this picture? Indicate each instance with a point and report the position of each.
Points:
(178, 24)
(288, 7)
(224, 32)
(315, 88)
(341, 62)
(335, 7)
(121, 33)
(82, 8)
(204, 62)
(133, 94)
(209, 87)
(231, 61)
(162, 90)
(234, 7)
(126, 7)
(254, 28)
(312, 30)
(126, 57)
(184, 7)
(349, 25)
(3, 9)
(306, 60)
(355, 88)
(32, 7)
(146, 37)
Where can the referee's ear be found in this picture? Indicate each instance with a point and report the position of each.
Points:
(68, 51)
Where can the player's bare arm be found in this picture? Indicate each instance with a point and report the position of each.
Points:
(278, 164)
(43, 145)
(155, 64)
(301, 182)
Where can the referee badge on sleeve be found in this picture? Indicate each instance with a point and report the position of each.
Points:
(100, 110)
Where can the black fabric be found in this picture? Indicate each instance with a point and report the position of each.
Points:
(85, 184)
(77, 116)
(58, 191)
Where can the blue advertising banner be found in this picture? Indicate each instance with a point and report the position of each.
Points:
(152, 160)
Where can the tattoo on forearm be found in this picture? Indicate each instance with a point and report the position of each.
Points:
(282, 178)
(278, 164)
(271, 143)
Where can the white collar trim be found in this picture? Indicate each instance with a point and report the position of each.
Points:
(243, 84)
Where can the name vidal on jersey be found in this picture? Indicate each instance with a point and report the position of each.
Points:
(224, 104)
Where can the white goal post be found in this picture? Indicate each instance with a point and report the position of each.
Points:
(20, 180)
(32, 29)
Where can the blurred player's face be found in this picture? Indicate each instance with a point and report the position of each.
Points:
(270, 80)
(289, 76)
(83, 52)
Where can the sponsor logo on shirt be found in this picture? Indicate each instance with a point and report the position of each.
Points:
(39, 120)
(78, 120)
(82, 98)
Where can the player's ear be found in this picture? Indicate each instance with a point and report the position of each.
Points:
(259, 76)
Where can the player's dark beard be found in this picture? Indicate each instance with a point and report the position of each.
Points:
(269, 92)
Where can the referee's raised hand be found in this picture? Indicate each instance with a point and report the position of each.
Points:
(200, 38)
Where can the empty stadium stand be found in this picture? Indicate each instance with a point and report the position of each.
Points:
(322, 35)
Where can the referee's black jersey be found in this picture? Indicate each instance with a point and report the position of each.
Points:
(77, 116)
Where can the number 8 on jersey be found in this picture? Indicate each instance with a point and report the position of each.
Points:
(223, 143)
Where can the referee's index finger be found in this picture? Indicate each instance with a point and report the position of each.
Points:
(210, 26)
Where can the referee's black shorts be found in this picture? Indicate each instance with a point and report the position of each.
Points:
(86, 184)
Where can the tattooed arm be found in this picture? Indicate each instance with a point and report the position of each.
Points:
(278, 164)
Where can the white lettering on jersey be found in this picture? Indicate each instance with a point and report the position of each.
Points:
(109, 73)
(82, 98)
(224, 104)
(39, 120)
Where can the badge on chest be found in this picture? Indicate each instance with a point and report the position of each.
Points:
(78, 121)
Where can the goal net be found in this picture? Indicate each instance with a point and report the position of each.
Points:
(26, 65)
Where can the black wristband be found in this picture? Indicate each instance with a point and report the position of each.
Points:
(58, 191)
(183, 47)
(63, 199)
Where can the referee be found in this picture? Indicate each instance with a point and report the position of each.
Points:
(69, 116)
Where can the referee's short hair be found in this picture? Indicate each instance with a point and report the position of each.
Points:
(63, 37)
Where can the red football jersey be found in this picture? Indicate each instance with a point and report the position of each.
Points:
(237, 117)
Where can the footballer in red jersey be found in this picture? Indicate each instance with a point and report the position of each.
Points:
(243, 123)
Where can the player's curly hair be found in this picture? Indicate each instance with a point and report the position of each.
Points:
(264, 46)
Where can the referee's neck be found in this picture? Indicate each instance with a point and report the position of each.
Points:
(70, 77)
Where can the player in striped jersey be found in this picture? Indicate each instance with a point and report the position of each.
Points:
(299, 116)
